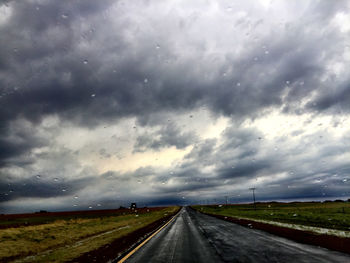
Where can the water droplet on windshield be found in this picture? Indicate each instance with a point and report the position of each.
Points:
(238, 84)
(76, 197)
(98, 204)
(139, 181)
(145, 81)
(93, 95)
(157, 46)
(38, 176)
(90, 207)
(287, 82)
(64, 16)
(63, 190)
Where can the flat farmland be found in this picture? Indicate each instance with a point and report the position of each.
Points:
(331, 215)
(64, 236)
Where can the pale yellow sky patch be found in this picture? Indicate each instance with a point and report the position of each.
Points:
(161, 159)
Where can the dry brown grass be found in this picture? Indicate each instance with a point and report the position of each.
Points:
(65, 240)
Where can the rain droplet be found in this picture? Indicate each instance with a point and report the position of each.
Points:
(233, 167)
(98, 204)
(90, 207)
(139, 181)
(63, 190)
(345, 180)
(15, 50)
(93, 95)
(301, 83)
(55, 179)
(191, 116)
(75, 205)
(238, 84)
(145, 81)
(64, 16)
(287, 82)
(38, 176)
(136, 215)
(157, 46)
(76, 197)
(37, 8)
(85, 62)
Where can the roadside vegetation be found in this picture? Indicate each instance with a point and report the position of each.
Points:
(333, 215)
(61, 240)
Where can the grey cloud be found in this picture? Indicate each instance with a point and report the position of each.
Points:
(167, 136)
(92, 63)
(40, 187)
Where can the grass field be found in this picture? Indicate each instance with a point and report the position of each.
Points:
(60, 240)
(333, 215)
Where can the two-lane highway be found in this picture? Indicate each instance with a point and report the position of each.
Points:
(195, 237)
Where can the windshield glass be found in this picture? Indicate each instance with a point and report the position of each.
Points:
(108, 104)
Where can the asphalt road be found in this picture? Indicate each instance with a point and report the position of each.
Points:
(194, 237)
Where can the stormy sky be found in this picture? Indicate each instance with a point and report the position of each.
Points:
(171, 102)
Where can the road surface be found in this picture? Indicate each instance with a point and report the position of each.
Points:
(195, 237)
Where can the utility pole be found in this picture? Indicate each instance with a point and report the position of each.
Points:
(253, 189)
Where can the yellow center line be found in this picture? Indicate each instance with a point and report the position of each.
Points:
(145, 241)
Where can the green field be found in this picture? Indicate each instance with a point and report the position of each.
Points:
(63, 240)
(334, 215)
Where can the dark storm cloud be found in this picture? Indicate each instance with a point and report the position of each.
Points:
(16, 140)
(46, 55)
(37, 187)
(92, 62)
(169, 135)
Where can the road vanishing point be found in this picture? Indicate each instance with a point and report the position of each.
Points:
(195, 237)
